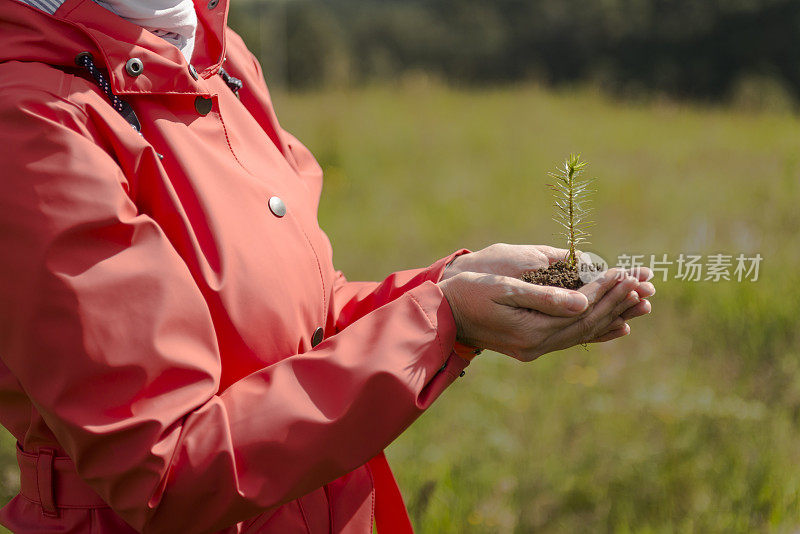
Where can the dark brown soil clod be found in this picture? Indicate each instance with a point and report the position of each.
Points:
(559, 274)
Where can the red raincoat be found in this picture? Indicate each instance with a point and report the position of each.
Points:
(157, 312)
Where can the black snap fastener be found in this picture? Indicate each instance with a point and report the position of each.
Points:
(316, 339)
(79, 58)
(212, 4)
(134, 66)
(277, 206)
(462, 373)
(202, 105)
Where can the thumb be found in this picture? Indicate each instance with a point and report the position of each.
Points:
(553, 301)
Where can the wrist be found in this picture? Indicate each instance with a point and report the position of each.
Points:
(452, 267)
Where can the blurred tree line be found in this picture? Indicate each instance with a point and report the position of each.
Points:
(710, 49)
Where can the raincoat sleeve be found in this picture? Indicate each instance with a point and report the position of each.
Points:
(353, 300)
(105, 329)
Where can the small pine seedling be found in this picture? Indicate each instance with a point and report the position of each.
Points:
(572, 196)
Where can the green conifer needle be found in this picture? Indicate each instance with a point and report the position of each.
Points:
(572, 196)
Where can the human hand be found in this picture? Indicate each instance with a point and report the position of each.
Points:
(514, 260)
(505, 260)
(525, 320)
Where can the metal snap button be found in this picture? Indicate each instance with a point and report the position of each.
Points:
(277, 207)
(462, 373)
(203, 105)
(212, 4)
(193, 72)
(316, 339)
(134, 66)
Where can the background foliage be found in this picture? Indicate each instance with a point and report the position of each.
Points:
(747, 51)
(688, 425)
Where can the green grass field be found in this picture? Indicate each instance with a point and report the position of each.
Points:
(692, 423)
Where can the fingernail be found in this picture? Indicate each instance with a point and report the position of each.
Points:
(577, 302)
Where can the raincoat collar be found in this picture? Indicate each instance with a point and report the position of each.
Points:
(29, 34)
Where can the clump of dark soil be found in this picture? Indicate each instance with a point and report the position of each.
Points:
(559, 274)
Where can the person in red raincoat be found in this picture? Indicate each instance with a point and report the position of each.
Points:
(177, 352)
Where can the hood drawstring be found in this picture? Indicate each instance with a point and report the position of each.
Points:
(85, 59)
(233, 83)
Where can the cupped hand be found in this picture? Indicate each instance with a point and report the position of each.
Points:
(514, 260)
(505, 260)
(525, 321)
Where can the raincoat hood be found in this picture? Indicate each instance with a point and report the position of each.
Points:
(172, 20)
(29, 34)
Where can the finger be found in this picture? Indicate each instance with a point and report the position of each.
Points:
(645, 290)
(643, 274)
(633, 299)
(620, 298)
(643, 308)
(615, 324)
(553, 301)
(622, 331)
(630, 300)
(595, 290)
(553, 254)
(524, 258)
(595, 322)
(506, 260)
